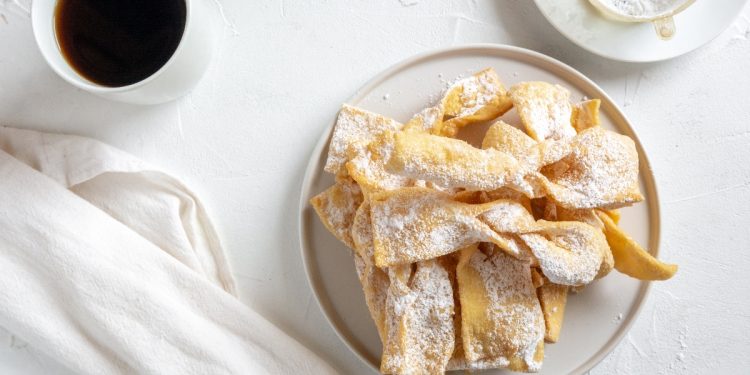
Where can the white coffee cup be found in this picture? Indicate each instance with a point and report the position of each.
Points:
(178, 75)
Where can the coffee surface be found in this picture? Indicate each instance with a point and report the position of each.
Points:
(118, 42)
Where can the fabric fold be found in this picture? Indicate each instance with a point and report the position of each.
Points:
(123, 272)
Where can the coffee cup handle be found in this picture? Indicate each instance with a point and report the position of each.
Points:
(664, 27)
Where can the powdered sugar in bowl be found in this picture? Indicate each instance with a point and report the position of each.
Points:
(659, 12)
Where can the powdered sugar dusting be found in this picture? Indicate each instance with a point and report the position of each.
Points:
(600, 172)
(642, 8)
(361, 232)
(477, 91)
(569, 253)
(513, 325)
(425, 120)
(368, 166)
(480, 97)
(454, 163)
(413, 224)
(545, 109)
(599, 168)
(355, 129)
(508, 217)
(374, 280)
(375, 285)
(336, 208)
(420, 332)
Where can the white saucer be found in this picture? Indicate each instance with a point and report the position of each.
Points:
(580, 22)
(595, 319)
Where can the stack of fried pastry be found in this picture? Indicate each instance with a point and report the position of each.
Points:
(466, 255)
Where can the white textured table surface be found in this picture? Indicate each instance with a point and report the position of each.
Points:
(243, 138)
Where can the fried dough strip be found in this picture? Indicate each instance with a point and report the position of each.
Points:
(501, 319)
(414, 224)
(599, 168)
(420, 335)
(374, 280)
(553, 298)
(481, 97)
(355, 128)
(336, 207)
(586, 114)
(509, 139)
(545, 110)
(630, 258)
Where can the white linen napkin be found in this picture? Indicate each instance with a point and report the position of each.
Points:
(112, 267)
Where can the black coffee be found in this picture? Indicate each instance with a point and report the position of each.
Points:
(118, 42)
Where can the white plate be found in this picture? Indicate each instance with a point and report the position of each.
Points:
(595, 320)
(637, 42)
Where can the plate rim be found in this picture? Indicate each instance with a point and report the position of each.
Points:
(654, 213)
(575, 41)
